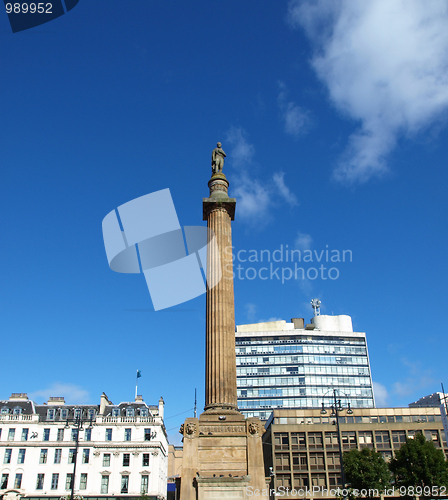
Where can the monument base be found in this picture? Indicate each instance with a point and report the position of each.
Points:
(222, 456)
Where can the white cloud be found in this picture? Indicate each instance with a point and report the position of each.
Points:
(381, 394)
(385, 64)
(303, 241)
(251, 310)
(418, 379)
(255, 197)
(283, 189)
(72, 393)
(295, 118)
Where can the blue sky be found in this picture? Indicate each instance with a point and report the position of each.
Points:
(333, 116)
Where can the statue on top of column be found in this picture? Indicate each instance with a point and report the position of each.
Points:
(218, 156)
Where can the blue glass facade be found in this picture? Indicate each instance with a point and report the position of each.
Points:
(295, 368)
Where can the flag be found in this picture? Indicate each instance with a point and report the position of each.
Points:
(139, 373)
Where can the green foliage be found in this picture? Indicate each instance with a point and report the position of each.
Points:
(366, 470)
(419, 463)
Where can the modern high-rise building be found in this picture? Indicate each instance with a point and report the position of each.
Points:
(293, 365)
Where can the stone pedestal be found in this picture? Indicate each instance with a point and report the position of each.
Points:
(222, 457)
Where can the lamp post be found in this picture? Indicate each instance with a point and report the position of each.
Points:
(76, 424)
(336, 407)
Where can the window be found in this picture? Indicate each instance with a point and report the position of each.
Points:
(145, 460)
(144, 487)
(398, 438)
(46, 434)
(74, 434)
(40, 482)
(21, 457)
(57, 455)
(43, 456)
(4, 482)
(382, 439)
(91, 414)
(106, 460)
(54, 481)
(64, 414)
(83, 482)
(88, 435)
(108, 434)
(50, 414)
(147, 434)
(60, 436)
(282, 461)
(127, 434)
(365, 439)
(71, 455)
(349, 439)
(77, 413)
(69, 482)
(104, 485)
(25, 434)
(115, 412)
(317, 461)
(5, 410)
(143, 412)
(129, 411)
(7, 457)
(11, 434)
(124, 484)
(18, 481)
(281, 440)
(85, 456)
(17, 410)
(299, 461)
(315, 439)
(126, 459)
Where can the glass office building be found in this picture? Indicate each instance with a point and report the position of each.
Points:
(293, 365)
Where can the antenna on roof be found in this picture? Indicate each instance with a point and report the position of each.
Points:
(315, 304)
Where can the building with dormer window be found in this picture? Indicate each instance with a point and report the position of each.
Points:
(118, 451)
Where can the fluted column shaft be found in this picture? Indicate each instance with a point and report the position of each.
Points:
(220, 384)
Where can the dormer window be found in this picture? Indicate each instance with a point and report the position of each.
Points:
(77, 413)
(5, 410)
(143, 412)
(17, 410)
(50, 414)
(115, 412)
(129, 411)
(64, 414)
(91, 414)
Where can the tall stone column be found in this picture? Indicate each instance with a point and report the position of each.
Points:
(220, 381)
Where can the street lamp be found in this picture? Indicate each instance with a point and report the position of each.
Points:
(76, 424)
(336, 407)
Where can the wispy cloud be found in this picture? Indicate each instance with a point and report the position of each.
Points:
(283, 189)
(255, 196)
(303, 241)
(296, 119)
(417, 379)
(72, 393)
(381, 394)
(251, 311)
(385, 65)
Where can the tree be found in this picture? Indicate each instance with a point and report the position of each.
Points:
(366, 470)
(419, 463)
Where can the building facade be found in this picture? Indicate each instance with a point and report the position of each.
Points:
(292, 365)
(302, 446)
(104, 451)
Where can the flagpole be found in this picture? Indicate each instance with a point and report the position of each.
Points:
(139, 374)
